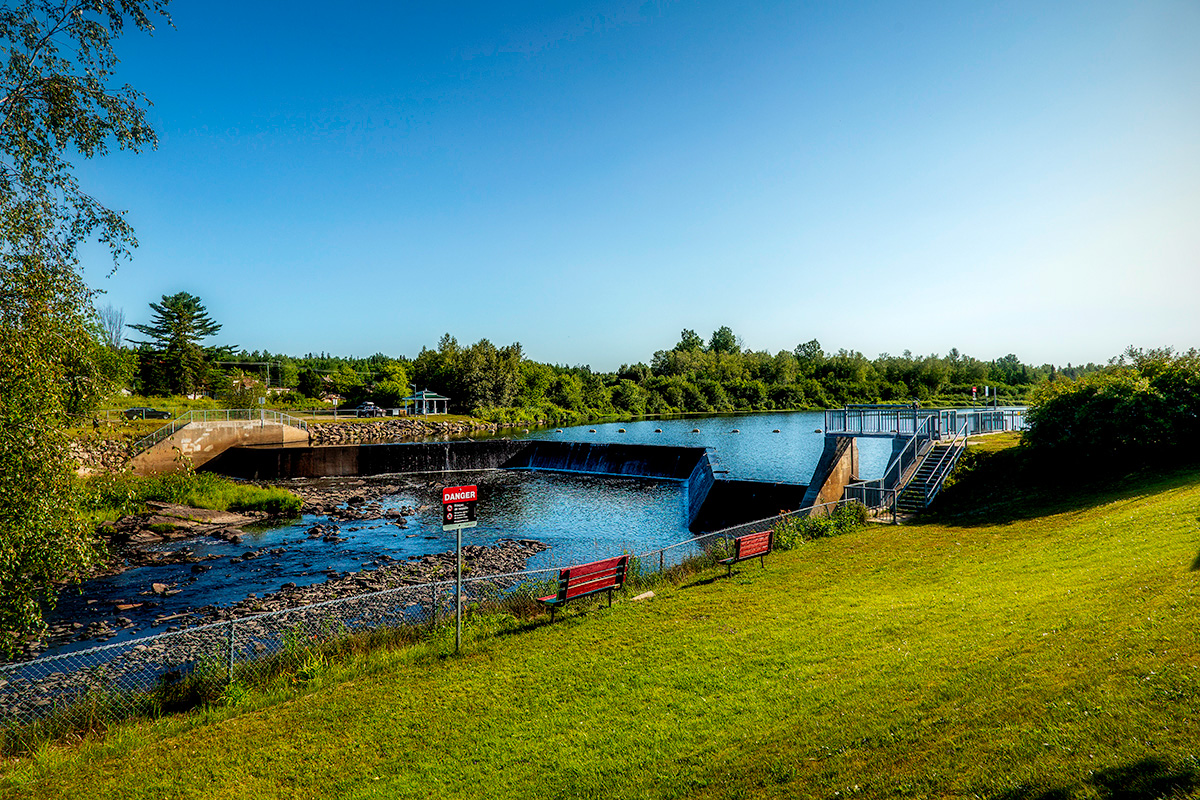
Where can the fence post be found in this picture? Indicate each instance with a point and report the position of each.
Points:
(662, 555)
(433, 605)
(229, 654)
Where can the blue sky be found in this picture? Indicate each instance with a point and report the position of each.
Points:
(590, 178)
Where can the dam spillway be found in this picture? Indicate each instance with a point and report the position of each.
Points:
(709, 499)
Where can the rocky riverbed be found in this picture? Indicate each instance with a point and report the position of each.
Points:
(153, 539)
(397, 592)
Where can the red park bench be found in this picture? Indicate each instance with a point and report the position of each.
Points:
(586, 579)
(752, 545)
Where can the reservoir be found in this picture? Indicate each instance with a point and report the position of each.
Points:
(755, 453)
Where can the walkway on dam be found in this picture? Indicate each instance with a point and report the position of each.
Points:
(199, 436)
(927, 444)
(931, 423)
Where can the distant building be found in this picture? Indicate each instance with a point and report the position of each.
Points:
(427, 402)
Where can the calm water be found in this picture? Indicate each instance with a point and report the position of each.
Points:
(755, 453)
(581, 517)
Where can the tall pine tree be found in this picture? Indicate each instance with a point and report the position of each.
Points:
(174, 360)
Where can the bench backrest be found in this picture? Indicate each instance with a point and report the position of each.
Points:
(753, 544)
(593, 577)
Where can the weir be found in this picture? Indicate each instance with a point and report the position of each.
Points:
(710, 500)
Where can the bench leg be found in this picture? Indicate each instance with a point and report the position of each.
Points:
(610, 598)
(552, 610)
(761, 562)
(729, 570)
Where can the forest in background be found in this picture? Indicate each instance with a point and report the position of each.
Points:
(502, 385)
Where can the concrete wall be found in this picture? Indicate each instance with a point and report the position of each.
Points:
(838, 466)
(203, 441)
(640, 460)
(732, 503)
(282, 463)
(698, 485)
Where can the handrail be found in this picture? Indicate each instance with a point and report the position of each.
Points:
(894, 420)
(900, 420)
(214, 415)
(898, 461)
(938, 474)
(862, 490)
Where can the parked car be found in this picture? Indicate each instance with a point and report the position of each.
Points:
(369, 409)
(142, 412)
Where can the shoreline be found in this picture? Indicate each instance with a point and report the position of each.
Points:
(135, 540)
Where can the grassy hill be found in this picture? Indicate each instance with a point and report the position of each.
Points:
(1051, 654)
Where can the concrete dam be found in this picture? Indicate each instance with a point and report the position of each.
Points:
(713, 502)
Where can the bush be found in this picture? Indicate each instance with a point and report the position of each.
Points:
(1144, 408)
(792, 531)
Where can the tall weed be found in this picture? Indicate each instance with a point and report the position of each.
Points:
(793, 531)
(112, 495)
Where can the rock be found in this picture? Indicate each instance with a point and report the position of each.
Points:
(644, 596)
(158, 588)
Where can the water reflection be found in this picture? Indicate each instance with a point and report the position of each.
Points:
(755, 452)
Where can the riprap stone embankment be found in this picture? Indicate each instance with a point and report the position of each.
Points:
(393, 430)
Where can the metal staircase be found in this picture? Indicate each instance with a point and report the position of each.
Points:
(927, 479)
(916, 474)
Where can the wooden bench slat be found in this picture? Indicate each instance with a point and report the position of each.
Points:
(583, 570)
(576, 589)
(586, 579)
(752, 545)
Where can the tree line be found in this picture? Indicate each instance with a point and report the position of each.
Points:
(1142, 410)
(499, 383)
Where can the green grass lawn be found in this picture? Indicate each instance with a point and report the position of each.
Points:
(1047, 657)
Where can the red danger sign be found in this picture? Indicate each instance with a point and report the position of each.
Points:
(458, 494)
(458, 507)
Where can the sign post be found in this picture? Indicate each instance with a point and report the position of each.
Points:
(458, 512)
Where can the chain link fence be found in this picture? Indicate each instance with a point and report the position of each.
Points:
(179, 669)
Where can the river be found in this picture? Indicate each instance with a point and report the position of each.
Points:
(581, 518)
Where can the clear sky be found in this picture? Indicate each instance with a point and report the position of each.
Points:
(590, 178)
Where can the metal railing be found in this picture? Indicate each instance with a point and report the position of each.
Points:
(905, 421)
(882, 421)
(878, 495)
(882, 493)
(261, 415)
(945, 464)
(113, 680)
(356, 413)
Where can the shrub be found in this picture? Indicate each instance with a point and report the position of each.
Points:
(1143, 408)
(792, 531)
